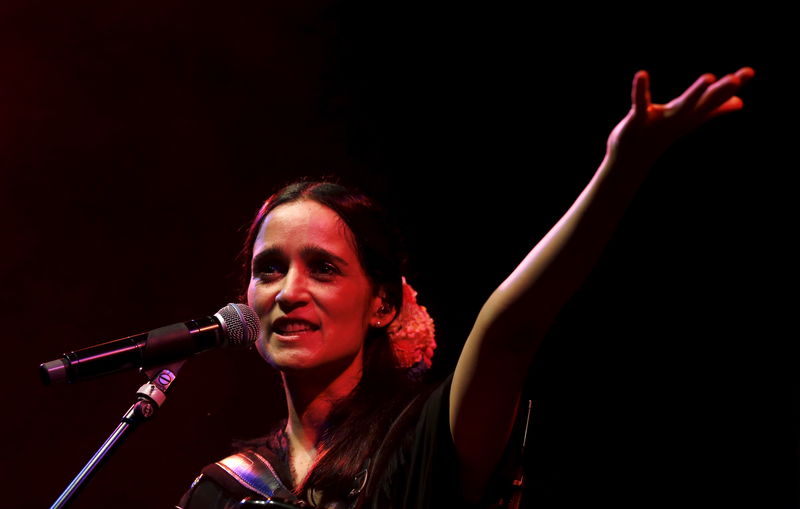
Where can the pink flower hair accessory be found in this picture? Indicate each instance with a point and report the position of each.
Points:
(412, 333)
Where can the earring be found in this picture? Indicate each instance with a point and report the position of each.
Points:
(378, 323)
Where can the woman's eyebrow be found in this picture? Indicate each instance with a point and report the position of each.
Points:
(270, 252)
(312, 251)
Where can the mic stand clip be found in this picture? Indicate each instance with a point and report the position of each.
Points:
(149, 398)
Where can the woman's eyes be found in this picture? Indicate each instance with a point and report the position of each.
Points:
(320, 269)
(268, 271)
(324, 268)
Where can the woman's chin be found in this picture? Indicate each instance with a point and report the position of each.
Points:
(295, 363)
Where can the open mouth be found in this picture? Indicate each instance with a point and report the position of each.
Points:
(292, 326)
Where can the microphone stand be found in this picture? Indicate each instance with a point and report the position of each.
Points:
(518, 484)
(149, 398)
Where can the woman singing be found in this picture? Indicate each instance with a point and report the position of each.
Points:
(342, 326)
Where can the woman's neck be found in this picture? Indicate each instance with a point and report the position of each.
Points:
(310, 398)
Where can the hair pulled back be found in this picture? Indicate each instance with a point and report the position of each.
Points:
(377, 242)
(355, 427)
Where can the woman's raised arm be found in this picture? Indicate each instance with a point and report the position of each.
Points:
(509, 328)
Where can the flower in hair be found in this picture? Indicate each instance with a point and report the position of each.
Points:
(412, 333)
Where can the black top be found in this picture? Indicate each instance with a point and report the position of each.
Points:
(416, 467)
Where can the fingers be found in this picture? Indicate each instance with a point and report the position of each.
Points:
(640, 93)
(745, 74)
(718, 94)
(732, 104)
(708, 95)
(689, 99)
(725, 100)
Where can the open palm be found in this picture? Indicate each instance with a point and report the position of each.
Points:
(649, 129)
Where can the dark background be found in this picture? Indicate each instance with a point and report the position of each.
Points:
(138, 138)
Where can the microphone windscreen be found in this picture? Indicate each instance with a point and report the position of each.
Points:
(241, 324)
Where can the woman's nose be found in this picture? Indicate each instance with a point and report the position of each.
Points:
(294, 291)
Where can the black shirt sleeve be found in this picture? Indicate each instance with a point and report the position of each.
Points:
(207, 494)
(423, 471)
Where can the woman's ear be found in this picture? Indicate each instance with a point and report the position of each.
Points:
(383, 312)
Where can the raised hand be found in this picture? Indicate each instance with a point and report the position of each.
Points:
(511, 324)
(649, 129)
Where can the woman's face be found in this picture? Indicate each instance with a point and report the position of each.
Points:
(309, 289)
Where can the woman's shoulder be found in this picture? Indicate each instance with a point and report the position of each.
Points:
(418, 462)
(417, 453)
(256, 472)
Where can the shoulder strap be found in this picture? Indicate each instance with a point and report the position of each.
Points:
(256, 473)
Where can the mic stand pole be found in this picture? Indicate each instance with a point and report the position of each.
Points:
(518, 485)
(149, 398)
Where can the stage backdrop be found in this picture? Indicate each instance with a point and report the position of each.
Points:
(137, 139)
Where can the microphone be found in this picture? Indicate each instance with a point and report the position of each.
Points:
(235, 325)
